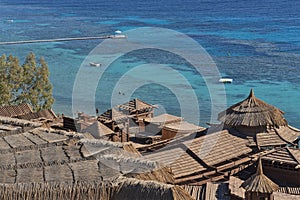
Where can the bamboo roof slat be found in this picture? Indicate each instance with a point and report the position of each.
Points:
(28, 175)
(7, 176)
(287, 134)
(295, 153)
(218, 147)
(269, 139)
(58, 173)
(281, 155)
(86, 170)
(18, 141)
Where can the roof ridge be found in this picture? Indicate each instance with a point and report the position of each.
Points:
(292, 154)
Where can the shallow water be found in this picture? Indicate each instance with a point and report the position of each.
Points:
(255, 43)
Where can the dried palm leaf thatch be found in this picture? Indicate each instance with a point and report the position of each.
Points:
(98, 146)
(58, 173)
(130, 189)
(86, 170)
(19, 122)
(259, 182)
(252, 112)
(50, 191)
(16, 141)
(7, 176)
(138, 168)
(7, 161)
(28, 156)
(27, 175)
(53, 154)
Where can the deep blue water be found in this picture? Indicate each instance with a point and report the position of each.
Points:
(257, 43)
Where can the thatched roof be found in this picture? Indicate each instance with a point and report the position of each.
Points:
(138, 189)
(135, 105)
(287, 133)
(258, 182)
(164, 119)
(183, 127)
(113, 115)
(268, 139)
(94, 146)
(15, 110)
(42, 114)
(285, 156)
(190, 158)
(18, 122)
(252, 112)
(98, 130)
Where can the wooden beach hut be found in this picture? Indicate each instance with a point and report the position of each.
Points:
(259, 186)
(138, 110)
(260, 121)
(252, 115)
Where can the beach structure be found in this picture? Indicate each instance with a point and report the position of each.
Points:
(139, 110)
(169, 126)
(248, 130)
(42, 163)
(259, 186)
(24, 111)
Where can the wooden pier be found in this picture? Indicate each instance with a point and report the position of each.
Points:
(64, 39)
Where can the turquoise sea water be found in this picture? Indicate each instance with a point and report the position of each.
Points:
(256, 43)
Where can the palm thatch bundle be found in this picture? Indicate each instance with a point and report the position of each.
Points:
(260, 183)
(252, 112)
(96, 146)
(19, 122)
(138, 168)
(50, 191)
(130, 189)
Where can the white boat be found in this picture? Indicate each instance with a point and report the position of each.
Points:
(95, 64)
(225, 80)
(117, 36)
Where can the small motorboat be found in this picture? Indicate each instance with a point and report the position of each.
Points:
(225, 80)
(95, 64)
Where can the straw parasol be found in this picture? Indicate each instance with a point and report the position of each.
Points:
(252, 112)
(259, 182)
